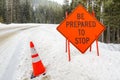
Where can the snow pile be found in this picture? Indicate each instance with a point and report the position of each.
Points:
(50, 45)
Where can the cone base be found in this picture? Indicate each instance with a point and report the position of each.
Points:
(38, 68)
(32, 76)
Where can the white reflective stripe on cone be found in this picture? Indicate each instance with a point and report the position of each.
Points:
(35, 55)
(35, 59)
(33, 51)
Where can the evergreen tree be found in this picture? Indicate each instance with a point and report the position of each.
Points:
(51, 13)
(112, 21)
(2, 10)
(16, 11)
(25, 12)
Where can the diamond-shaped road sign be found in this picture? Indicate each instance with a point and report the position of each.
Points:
(81, 28)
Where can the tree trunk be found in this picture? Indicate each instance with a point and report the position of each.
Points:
(87, 5)
(11, 10)
(101, 19)
(92, 4)
(118, 35)
(108, 34)
(113, 35)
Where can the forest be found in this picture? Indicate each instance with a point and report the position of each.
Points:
(45, 11)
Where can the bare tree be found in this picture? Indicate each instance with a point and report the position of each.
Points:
(101, 18)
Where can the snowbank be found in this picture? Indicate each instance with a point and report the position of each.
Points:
(50, 45)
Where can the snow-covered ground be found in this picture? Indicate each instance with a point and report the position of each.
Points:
(15, 55)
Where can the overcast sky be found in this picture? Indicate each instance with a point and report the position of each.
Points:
(59, 1)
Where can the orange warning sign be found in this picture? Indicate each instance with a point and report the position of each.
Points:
(81, 28)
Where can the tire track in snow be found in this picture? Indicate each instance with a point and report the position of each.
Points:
(9, 72)
(14, 59)
(5, 36)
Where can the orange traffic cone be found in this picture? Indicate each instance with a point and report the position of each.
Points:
(38, 67)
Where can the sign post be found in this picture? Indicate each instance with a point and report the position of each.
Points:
(66, 14)
(93, 13)
(81, 28)
(68, 44)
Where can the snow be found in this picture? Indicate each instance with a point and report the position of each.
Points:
(15, 55)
